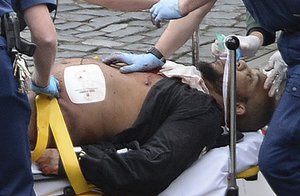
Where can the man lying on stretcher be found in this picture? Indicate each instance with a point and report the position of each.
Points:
(161, 124)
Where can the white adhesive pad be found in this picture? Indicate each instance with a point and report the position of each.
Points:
(85, 83)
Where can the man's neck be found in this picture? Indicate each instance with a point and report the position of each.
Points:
(214, 92)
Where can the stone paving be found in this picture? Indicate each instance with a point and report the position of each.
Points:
(86, 30)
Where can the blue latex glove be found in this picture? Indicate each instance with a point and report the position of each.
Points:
(165, 10)
(52, 90)
(135, 62)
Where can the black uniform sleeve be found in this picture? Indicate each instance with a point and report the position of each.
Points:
(252, 25)
(149, 168)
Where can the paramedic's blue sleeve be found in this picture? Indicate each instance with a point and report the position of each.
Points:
(147, 169)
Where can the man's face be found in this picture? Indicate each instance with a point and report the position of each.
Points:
(254, 106)
(249, 81)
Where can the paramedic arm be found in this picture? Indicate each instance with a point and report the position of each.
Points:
(124, 5)
(255, 38)
(43, 35)
(249, 44)
(175, 35)
(179, 31)
(174, 9)
(253, 28)
(276, 67)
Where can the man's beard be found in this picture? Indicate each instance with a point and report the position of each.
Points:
(211, 75)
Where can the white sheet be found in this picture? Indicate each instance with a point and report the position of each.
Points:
(206, 177)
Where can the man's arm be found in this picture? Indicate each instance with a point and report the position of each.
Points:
(43, 34)
(249, 44)
(124, 5)
(276, 67)
(175, 9)
(253, 28)
(175, 35)
(179, 31)
(256, 37)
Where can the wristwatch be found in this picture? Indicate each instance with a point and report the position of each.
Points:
(157, 54)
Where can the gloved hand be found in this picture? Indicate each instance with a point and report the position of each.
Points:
(135, 62)
(165, 10)
(276, 73)
(248, 46)
(52, 90)
(218, 48)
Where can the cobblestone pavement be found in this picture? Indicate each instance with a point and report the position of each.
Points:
(86, 30)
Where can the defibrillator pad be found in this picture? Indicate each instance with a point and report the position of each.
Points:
(85, 83)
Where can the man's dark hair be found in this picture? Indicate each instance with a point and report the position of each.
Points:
(211, 75)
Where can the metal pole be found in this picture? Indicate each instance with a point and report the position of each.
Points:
(232, 43)
(195, 47)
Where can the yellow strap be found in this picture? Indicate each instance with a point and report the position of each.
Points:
(49, 113)
(252, 171)
(43, 113)
(65, 148)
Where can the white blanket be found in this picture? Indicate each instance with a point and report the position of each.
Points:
(206, 177)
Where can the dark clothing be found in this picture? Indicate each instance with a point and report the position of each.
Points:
(175, 124)
(275, 15)
(280, 15)
(15, 165)
(278, 158)
(5, 7)
(23, 5)
(252, 25)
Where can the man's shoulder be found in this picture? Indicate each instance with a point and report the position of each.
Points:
(173, 89)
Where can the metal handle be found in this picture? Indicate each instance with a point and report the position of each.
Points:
(195, 47)
(232, 43)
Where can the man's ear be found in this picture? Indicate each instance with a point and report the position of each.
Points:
(240, 108)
